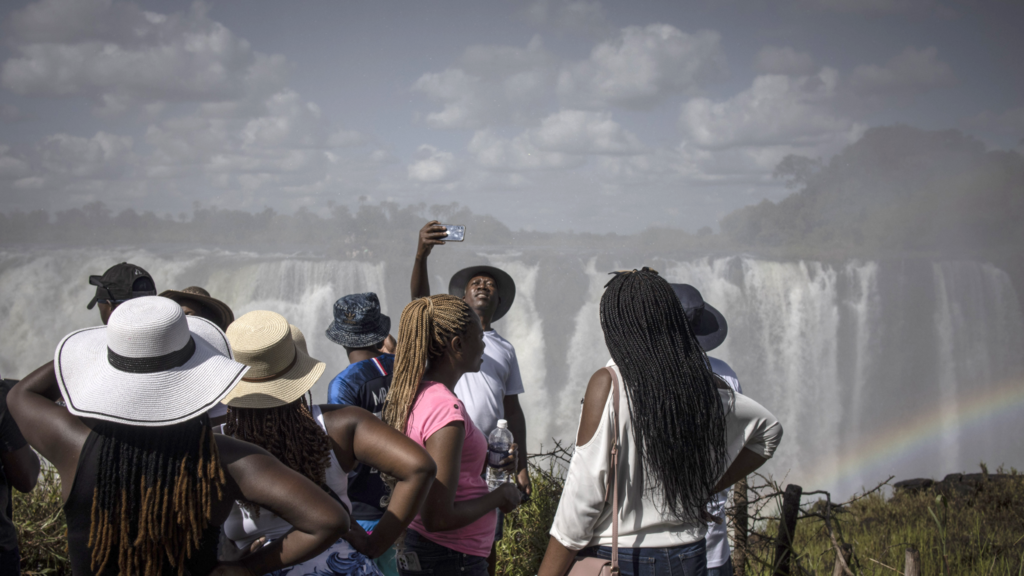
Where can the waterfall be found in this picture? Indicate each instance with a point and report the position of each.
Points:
(844, 354)
(45, 294)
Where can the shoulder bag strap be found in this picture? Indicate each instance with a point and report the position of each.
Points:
(614, 470)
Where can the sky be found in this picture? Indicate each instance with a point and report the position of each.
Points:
(551, 115)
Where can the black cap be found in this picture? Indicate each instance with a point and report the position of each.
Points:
(122, 282)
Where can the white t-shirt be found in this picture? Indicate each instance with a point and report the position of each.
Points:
(484, 392)
(717, 538)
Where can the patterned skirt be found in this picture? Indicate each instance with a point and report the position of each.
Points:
(339, 559)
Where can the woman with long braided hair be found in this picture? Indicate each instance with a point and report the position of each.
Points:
(321, 442)
(682, 437)
(146, 483)
(439, 340)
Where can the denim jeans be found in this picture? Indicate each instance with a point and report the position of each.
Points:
(723, 570)
(686, 560)
(436, 559)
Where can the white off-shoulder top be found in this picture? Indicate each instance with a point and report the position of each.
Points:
(584, 517)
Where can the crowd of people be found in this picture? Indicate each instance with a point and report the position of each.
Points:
(187, 442)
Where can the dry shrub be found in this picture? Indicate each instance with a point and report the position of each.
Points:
(966, 531)
(526, 529)
(42, 529)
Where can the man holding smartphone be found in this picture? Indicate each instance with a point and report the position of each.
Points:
(492, 393)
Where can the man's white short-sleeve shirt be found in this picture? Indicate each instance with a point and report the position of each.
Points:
(484, 392)
(717, 537)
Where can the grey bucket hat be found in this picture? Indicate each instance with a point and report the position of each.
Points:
(358, 321)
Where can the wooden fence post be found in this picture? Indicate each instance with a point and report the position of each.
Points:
(740, 517)
(837, 569)
(787, 529)
(912, 565)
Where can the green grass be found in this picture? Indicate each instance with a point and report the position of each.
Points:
(980, 534)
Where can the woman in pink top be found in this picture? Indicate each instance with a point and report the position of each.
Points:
(439, 340)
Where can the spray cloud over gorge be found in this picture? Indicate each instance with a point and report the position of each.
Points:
(908, 361)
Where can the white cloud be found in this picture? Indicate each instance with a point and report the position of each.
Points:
(783, 60)
(120, 55)
(492, 152)
(219, 123)
(906, 73)
(563, 140)
(11, 167)
(1009, 121)
(642, 66)
(103, 156)
(289, 122)
(581, 132)
(585, 15)
(872, 6)
(491, 85)
(775, 110)
(432, 165)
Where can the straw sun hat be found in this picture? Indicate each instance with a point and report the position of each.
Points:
(149, 366)
(280, 371)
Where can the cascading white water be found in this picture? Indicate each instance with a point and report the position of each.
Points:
(978, 326)
(839, 353)
(45, 294)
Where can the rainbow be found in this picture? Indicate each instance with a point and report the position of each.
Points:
(916, 432)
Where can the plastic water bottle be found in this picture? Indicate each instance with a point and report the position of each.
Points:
(498, 444)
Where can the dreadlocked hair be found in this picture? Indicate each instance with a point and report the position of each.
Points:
(426, 327)
(676, 412)
(289, 433)
(155, 488)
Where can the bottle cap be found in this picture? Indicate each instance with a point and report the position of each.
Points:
(502, 423)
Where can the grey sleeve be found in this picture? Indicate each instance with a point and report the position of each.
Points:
(514, 383)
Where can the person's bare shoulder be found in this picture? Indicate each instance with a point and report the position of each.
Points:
(594, 400)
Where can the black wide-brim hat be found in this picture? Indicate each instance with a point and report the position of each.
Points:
(506, 286)
(706, 321)
(222, 314)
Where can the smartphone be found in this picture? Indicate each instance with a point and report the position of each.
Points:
(456, 233)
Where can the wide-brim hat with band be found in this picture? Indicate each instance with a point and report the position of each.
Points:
(506, 286)
(706, 321)
(149, 366)
(280, 372)
(221, 312)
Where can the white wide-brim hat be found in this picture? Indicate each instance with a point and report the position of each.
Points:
(280, 369)
(150, 366)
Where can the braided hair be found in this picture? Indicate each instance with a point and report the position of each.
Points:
(289, 433)
(154, 495)
(426, 327)
(677, 416)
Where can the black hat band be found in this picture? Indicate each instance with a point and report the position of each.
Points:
(154, 363)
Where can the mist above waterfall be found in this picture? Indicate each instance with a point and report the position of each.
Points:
(885, 290)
